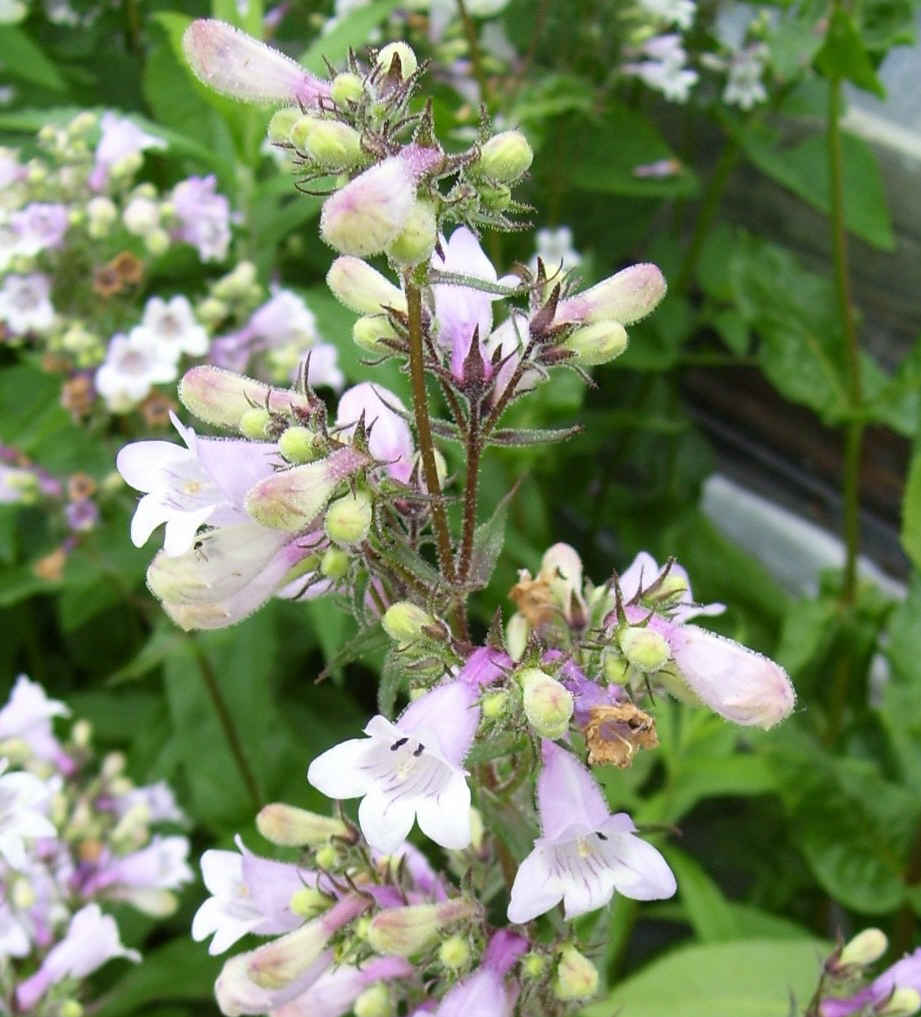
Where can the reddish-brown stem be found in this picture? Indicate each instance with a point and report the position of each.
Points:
(474, 448)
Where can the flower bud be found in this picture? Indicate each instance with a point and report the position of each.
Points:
(332, 145)
(370, 330)
(496, 197)
(309, 902)
(416, 241)
(616, 667)
(407, 58)
(404, 931)
(644, 649)
(211, 311)
(367, 214)
(255, 422)
(576, 976)
(221, 397)
(863, 949)
(301, 130)
(236, 284)
(349, 518)
(670, 590)
(375, 1001)
(141, 215)
(293, 827)
(404, 622)
(533, 965)
(362, 288)
(494, 704)
(454, 953)
(902, 1003)
(517, 632)
(626, 297)
(327, 857)
(548, 705)
(279, 129)
(81, 734)
(299, 444)
(505, 157)
(346, 88)
(70, 1008)
(334, 564)
(477, 830)
(291, 499)
(597, 343)
(157, 242)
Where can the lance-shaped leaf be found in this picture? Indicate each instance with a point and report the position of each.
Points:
(488, 541)
(526, 436)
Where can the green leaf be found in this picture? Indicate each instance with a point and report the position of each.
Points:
(527, 436)
(704, 904)
(393, 677)
(803, 168)
(753, 978)
(843, 54)
(902, 693)
(351, 32)
(23, 59)
(492, 748)
(370, 640)
(911, 509)
(163, 641)
(488, 540)
(602, 154)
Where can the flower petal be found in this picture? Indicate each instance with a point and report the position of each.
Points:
(535, 890)
(385, 821)
(338, 772)
(445, 818)
(639, 871)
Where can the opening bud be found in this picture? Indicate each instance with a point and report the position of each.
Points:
(404, 622)
(332, 145)
(597, 343)
(548, 705)
(221, 397)
(279, 129)
(346, 88)
(334, 564)
(576, 976)
(255, 423)
(308, 902)
(375, 1001)
(290, 826)
(902, 1003)
(369, 331)
(405, 931)
(494, 704)
(416, 241)
(644, 649)
(349, 518)
(407, 58)
(505, 157)
(454, 953)
(362, 288)
(299, 445)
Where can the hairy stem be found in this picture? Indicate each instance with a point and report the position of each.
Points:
(424, 430)
(474, 448)
(854, 433)
(234, 742)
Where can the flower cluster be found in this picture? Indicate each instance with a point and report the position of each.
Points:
(75, 833)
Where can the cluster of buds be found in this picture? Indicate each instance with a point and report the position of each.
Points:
(75, 833)
(844, 990)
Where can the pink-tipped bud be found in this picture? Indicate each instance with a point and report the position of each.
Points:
(221, 397)
(362, 288)
(293, 827)
(626, 297)
(405, 931)
(239, 66)
(292, 499)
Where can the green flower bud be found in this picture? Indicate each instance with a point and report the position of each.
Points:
(346, 88)
(517, 632)
(370, 329)
(333, 146)
(279, 129)
(902, 1003)
(670, 591)
(349, 518)
(299, 444)
(505, 157)
(454, 953)
(301, 130)
(408, 61)
(254, 423)
(576, 976)
(308, 902)
(293, 827)
(70, 1008)
(211, 311)
(83, 123)
(494, 704)
(405, 931)
(597, 343)
(157, 241)
(417, 240)
(547, 704)
(645, 649)
(533, 965)
(327, 858)
(404, 622)
(375, 1001)
(496, 197)
(864, 949)
(334, 564)
(616, 668)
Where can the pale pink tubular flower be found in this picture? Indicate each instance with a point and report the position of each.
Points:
(625, 297)
(120, 138)
(205, 482)
(203, 217)
(739, 684)
(904, 974)
(334, 992)
(23, 803)
(390, 440)
(239, 66)
(91, 940)
(584, 853)
(39, 227)
(136, 877)
(27, 717)
(486, 993)
(249, 894)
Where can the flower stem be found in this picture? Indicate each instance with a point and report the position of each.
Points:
(474, 448)
(854, 432)
(225, 719)
(476, 58)
(424, 430)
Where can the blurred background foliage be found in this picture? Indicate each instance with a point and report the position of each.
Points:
(780, 839)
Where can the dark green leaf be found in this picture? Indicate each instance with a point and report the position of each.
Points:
(504, 744)
(527, 436)
(351, 32)
(704, 904)
(23, 59)
(843, 54)
(911, 509)
(392, 680)
(488, 540)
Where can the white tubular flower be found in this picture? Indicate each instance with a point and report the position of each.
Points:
(172, 326)
(23, 802)
(25, 305)
(130, 369)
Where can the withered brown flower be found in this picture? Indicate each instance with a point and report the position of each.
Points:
(613, 734)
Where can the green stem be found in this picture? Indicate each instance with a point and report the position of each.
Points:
(854, 433)
(424, 430)
(719, 178)
(225, 719)
(476, 58)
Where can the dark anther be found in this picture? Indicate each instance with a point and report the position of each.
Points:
(600, 835)
(398, 743)
(417, 752)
